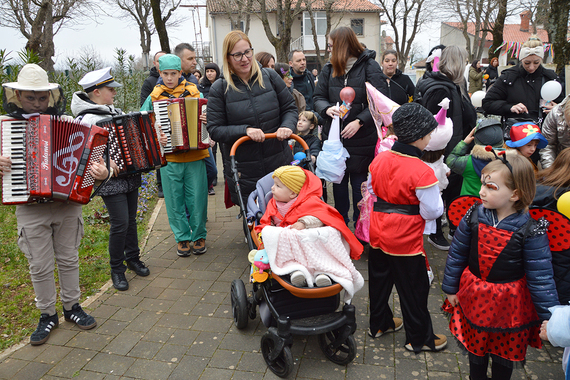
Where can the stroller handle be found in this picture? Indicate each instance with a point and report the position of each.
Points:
(243, 139)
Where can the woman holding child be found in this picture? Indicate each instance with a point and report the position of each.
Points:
(250, 101)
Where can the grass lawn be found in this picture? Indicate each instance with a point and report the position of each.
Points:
(18, 313)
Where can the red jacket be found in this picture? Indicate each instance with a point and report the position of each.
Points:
(309, 202)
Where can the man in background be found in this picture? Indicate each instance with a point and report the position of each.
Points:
(153, 76)
(187, 55)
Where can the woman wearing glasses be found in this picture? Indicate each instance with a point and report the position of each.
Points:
(350, 65)
(252, 101)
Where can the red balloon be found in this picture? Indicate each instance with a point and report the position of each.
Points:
(347, 95)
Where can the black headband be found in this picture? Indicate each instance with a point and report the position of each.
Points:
(503, 157)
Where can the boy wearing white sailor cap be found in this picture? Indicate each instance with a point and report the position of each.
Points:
(91, 106)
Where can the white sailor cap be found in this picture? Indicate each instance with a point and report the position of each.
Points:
(97, 79)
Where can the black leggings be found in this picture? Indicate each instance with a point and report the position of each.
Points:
(479, 371)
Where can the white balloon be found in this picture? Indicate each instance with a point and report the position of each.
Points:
(550, 90)
(477, 98)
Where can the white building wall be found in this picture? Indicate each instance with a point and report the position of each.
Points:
(219, 26)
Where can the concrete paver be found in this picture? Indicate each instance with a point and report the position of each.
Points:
(177, 324)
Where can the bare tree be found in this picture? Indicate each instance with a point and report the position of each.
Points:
(558, 29)
(538, 12)
(140, 12)
(238, 11)
(406, 17)
(40, 20)
(497, 29)
(286, 12)
(330, 11)
(160, 18)
(480, 14)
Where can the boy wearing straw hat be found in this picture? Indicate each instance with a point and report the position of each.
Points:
(51, 229)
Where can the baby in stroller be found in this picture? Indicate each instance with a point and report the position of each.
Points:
(315, 245)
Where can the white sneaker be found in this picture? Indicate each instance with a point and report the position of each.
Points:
(323, 280)
(298, 279)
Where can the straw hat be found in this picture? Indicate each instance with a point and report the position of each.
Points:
(32, 78)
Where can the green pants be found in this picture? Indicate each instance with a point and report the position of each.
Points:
(185, 190)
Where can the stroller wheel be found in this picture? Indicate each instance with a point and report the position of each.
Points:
(239, 303)
(344, 353)
(280, 363)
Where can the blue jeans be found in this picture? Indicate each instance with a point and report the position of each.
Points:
(211, 169)
(341, 195)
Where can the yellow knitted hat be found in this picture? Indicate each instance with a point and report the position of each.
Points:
(292, 176)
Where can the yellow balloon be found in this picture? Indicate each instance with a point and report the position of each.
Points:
(563, 204)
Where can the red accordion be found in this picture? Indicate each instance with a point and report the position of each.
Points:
(134, 143)
(51, 159)
(179, 119)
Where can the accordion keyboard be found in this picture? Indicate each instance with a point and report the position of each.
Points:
(14, 182)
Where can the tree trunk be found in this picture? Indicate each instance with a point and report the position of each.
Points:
(47, 49)
(160, 25)
(558, 21)
(498, 30)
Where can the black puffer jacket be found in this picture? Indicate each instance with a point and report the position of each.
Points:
(361, 146)
(430, 91)
(534, 260)
(231, 112)
(400, 87)
(149, 84)
(516, 85)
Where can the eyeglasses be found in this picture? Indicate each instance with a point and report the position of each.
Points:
(239, 56)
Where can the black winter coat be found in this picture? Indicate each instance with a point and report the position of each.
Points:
(204, 87)
(400, 87)
(312, 141)
(534, 260)
(231, 112)
(149, 84)
(516, 85)
(327, 93)
(461, 111)
(305, 84)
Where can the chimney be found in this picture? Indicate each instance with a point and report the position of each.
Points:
(525, 21)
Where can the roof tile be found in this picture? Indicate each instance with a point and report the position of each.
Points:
(511, 32)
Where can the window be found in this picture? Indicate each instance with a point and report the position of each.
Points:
(241, 26)
(320, 23)
(357, 25)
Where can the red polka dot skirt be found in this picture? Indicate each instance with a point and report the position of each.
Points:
(498, 319)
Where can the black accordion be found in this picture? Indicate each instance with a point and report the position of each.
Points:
(134, 143)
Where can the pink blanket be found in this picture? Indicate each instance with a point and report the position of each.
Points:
(312, 251)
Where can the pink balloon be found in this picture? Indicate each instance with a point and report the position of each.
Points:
(347, 95)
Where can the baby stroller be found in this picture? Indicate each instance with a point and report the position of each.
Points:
(285, 309)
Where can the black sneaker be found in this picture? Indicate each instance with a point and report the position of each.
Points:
(438, 241)
(138, 267)
(76, 315)
(211, 191)
(46, 324)
(119, 281)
